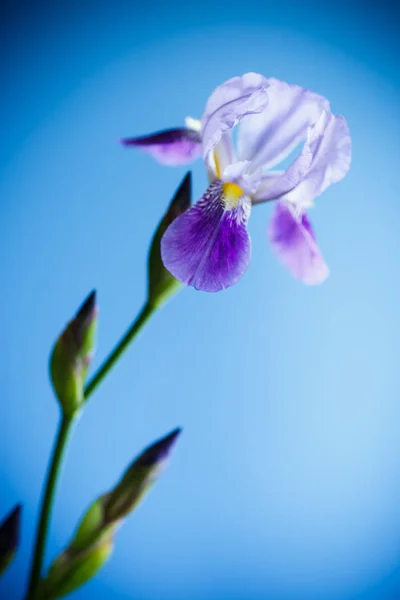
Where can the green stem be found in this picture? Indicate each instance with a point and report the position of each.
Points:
(119, 349)
(60, 446)
(47, 503)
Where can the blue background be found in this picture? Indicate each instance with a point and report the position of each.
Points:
(286, 482)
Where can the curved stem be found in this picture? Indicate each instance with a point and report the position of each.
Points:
(47, 503)
(119, 349)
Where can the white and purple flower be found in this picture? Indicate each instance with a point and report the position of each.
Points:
(208, 246)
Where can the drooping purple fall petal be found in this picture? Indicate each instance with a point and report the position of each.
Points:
(293, 240)
(171, 147)
(208, 247)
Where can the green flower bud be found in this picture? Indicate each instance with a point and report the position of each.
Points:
(9, 537)
(93, 540)
(161, 283)
(89, 527)
(139, 477)
(72, 355)
(94, 527)
(73, 569)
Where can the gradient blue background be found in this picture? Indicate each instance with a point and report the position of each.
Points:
(286, 482)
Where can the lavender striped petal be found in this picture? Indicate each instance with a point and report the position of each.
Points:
(171, 147)
(267, 138)
(293, 240)
(228, 104)
(329, 144)
(208, 247)
(324, 160)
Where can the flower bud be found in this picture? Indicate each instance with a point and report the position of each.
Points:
(72, 569)
(72, 355)
(138, 478)
(9, 537)
(93, 541)
(161, 283)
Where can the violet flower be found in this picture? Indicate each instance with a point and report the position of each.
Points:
(208, 246)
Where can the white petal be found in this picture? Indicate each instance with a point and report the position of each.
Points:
(267, 138)
(229, 103)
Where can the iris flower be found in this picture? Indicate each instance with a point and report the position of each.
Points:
(208, 246)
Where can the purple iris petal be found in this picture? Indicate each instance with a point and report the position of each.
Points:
(230, 102)
(293, 240)
(171, 147)
(208, 246)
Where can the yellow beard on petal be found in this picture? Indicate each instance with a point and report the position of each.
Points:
(231, 193)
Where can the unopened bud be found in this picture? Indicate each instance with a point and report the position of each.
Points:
(9, 537)
(90, 526)
(93, 540)
(138, 478)
(161, 283)
(73, 569)
(72, 355)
